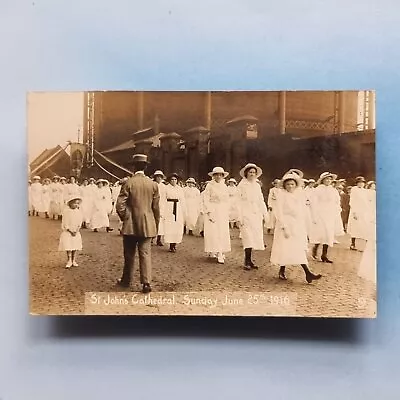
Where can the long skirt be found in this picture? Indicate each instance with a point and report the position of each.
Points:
(252, 232)
(100, 219)
(292, 250)
(216, 234)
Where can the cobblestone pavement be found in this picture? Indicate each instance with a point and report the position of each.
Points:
(91, 289)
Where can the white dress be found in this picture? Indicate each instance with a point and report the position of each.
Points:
(233, 203)
(71, 220)
(174, 214)
(115, 191)
(290, 213)
(252, 211)
(216, 203)
(192, 201)
(71, 189)
(87, 204)
(359, 207)
(36, 196)
(56, 203)
(272, 197)
(325, 206)
(46, 199)
(308, 193)
(30, 206)
(100, 209)
(161, 225)
(367, 269)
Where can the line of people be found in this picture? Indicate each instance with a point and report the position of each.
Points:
(299, 212)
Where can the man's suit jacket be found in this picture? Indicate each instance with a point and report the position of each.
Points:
(138, 206)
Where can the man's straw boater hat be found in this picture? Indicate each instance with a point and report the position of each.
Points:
(325, 175)
(232, 180)
(191, 180)
(290, 175)
(360, 179)
(218, 170)
(158, 173)
(248, 166)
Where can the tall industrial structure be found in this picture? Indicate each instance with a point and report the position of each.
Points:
(190, 132)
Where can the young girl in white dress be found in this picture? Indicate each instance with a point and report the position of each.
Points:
(70, 238)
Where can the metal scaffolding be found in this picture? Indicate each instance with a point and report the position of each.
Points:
(90, 128)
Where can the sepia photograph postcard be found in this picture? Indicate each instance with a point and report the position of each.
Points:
(207, 203)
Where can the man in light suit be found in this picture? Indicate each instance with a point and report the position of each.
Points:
(139, 209)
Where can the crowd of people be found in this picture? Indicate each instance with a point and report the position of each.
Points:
(301, 214)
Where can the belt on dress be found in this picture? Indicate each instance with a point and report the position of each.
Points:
(175, 209)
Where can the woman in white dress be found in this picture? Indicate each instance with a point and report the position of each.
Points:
(108, 194)
(100, 208)
(174, 213)
(87, 203)
(252, 213)
(56, 202)
(272, 196)
(159, 177)
(30, 207)
(217, 239)
(46, 197)
(325, 206)
(308, 193)
(233, 199)
(289, 246)
(192, 201)
(36, 195)
(70, 238)
(357, 225)
(367, 269)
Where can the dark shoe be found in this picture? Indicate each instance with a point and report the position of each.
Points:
(326, 260)
(353, 247)
(146, 288)
(109, 229)
(247, 267)
(95, 230)
(159, 243)
(252, 265)
(312, 277)
(282, 276)
(202, 233)
(47, 215)
(190, 233)
(121, 283)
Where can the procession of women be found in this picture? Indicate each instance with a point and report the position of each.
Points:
(307, 217)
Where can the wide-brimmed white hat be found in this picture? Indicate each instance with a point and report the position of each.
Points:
(99, 181)
(63, 178)
(191, 180)
(232, 180)
(296, 171)
(36, 178)
(251, 165)
(369, 183)
(218, 170)
(291, 176)
(325, 175)
(73, 197)
(159, 173)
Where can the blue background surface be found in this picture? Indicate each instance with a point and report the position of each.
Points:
(88, 44)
